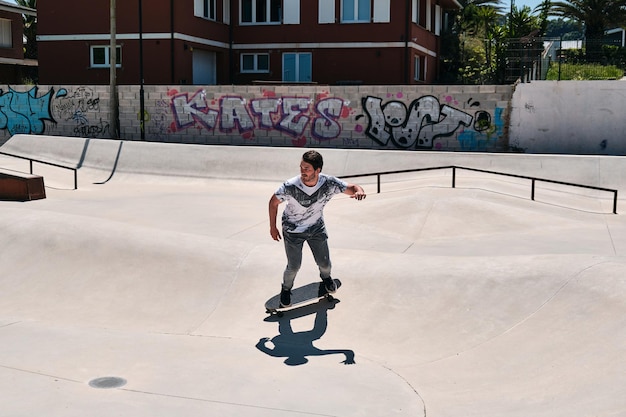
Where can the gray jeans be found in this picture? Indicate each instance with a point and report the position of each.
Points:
(318, 242)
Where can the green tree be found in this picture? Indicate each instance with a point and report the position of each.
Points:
(564, 28)
(30, 29)
(596, 16)
(523, 23)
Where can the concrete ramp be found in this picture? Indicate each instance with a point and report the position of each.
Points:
(455, 302)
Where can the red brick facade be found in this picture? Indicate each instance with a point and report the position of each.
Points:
(231, 42)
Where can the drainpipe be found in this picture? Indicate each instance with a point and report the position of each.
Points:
(231, 52)
(407, 36)
(172, 49)
(142, 105)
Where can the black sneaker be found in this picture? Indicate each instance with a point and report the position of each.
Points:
(285, 297)
(329, 283)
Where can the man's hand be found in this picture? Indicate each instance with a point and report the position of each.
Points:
(275, 233)
(359, 195)
(356, 191)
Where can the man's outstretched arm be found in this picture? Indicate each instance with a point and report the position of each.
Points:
(273, 211)
(355, 191)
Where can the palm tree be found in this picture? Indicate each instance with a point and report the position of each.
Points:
(522, 22)
(30, 29)
(596, 15)
(478, 15)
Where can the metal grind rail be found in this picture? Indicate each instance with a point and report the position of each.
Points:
(31, 160)
(533, 180)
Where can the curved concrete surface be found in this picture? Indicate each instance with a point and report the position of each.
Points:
(464, 301)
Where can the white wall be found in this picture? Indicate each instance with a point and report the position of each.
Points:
(569, 117)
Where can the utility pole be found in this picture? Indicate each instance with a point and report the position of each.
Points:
(142, 102)
(114, 129)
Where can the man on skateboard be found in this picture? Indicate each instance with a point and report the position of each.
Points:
(303, 218)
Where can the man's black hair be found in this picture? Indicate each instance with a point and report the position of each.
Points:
(314, 158)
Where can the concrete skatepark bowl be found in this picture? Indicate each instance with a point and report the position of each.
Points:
(141, 293)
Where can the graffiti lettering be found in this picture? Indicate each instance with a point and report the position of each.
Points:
(290, 115)
(25, 112)
(187, 112)
(418, 126)
(85, 130)
(233, 113)
(264, 109)
(81, 100)
(326, 126)
(294, 120)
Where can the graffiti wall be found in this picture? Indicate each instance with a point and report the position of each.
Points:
(455, 118)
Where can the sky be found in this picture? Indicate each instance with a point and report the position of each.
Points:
(521, 3)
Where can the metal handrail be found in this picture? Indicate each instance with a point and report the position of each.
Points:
(45, 163)
(454, 168)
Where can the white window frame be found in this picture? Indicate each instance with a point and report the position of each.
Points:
(416, 11)
(256, 68)
(6, 33)
(326, 11)
(268, 15)
(297, 56)
(417, 68)
(382, 11)
(206, 9)
(356, 12)
(107, 56)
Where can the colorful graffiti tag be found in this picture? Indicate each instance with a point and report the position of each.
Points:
(390, 123)
(25, 112)
(289, 115)
(426, 122)
(419, 124)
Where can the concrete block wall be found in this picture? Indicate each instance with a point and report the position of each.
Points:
(439, 118)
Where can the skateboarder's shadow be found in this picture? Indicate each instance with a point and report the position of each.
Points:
(296, 347)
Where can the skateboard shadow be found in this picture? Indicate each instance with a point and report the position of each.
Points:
(296, 347)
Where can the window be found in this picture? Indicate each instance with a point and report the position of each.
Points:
(6, 38)
(416, 11)
(261, 11)
(355, 11)
(297, 67)
(417, 72)
(255, 63)
(100, 56)
(205, 8)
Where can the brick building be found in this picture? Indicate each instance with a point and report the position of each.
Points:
(14, 68)
(207, 42)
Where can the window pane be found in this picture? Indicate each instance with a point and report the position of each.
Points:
(289, 67)
(99, 56)
(275, 11)
(263, 62)
(118, 55)
(364, 10)
(348, 10)
(6, 40)
(246, 10)
(261, 10)
(304, 68)
(247, 62)
(212, 10)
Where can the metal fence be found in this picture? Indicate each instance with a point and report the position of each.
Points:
(530, 59)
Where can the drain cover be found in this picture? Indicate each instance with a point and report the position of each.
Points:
(107, 382)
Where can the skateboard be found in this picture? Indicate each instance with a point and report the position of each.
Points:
(310, 292)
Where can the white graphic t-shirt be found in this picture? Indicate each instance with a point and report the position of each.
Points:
(305, 205)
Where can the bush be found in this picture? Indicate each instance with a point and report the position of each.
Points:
(584, 72)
